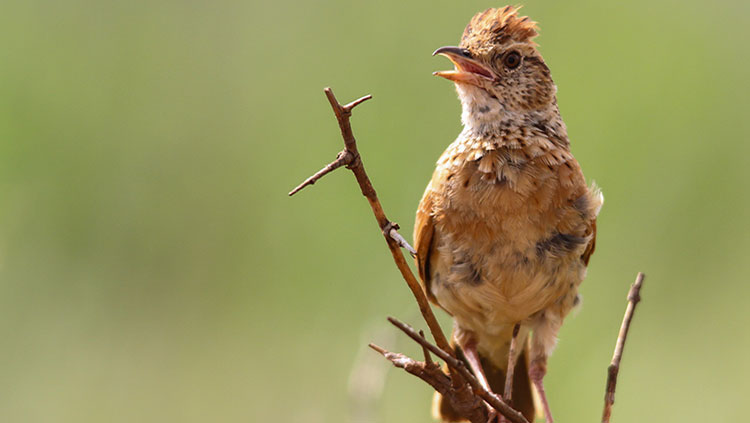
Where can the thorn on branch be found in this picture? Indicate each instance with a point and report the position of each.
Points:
(399, 360)
(382, 351)
(391, 230)
(349, 156)
(343, 158)
(348, 108)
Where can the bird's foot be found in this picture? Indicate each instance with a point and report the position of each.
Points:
(493, 416)
(537, 370)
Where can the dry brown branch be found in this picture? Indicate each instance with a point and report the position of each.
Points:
(634, 297)
(344, 158)
(350, 157)
(469, 406)
(459, 366)
(425, 351)
(459, 387)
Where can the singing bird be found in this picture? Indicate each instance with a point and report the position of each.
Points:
(507, 224)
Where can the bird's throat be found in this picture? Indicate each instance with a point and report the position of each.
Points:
(486, 116)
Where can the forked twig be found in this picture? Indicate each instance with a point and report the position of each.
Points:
(452, 362)
(350, 157)
(468, 405)
(429, 372)
(634, 297)
(425, 351)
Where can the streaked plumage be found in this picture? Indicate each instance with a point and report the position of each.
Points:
(507, 224)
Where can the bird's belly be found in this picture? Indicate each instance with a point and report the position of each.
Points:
(500, 292)
(490, 271)
(507, 253)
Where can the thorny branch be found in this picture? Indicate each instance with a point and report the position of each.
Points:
(471, 407)
(459, 366)
(469, 402)
(350, 157)
(634, 297)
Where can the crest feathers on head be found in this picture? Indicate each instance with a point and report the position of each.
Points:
(496, 26)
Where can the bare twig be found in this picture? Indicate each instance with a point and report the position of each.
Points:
(470, 406)
(350, 157)
(459, 366)
(430, 373)
(344, 158)
(379, 349)
(425, 351)
(392, 231)
(634, 297)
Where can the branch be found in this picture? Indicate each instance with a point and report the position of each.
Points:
(350, 157)
(425, 351)
(471, 407)
(492, 399)
(344, 158)
(634, 297)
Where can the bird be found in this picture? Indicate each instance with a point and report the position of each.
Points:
(507, 224)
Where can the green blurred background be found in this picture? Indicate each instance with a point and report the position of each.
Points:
(152, 267)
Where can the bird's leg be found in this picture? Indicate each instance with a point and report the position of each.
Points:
(542, 343)
(472, 356)
(468, 343)
(508, 392)
(537, 370)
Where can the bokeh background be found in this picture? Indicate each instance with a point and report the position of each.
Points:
(153, 269)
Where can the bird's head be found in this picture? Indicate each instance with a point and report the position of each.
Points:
(498, 69)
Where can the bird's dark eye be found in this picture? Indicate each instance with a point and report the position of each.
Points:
(512, 60)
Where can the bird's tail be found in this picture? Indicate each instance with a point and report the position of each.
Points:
(522, 396)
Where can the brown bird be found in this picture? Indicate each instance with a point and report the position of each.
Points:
(507, 224)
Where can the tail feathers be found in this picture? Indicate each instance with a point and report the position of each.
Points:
(522, 397)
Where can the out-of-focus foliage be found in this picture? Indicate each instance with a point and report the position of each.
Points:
(153, 269)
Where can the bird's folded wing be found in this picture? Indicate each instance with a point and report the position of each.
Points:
(423, 231)
(591, 245)
(596, 201)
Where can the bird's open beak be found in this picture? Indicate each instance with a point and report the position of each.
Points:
(467, 70)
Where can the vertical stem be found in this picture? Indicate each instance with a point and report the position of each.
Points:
(634, 297)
